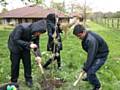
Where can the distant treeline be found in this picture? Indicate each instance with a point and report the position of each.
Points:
(106, 15)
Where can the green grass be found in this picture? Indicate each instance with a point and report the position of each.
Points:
(73, 58)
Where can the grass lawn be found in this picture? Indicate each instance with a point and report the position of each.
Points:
(73, 58)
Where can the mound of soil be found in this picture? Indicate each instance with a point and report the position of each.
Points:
(50, 83)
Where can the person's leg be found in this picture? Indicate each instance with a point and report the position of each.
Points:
(91, 74)
(26, 58)
(50, 47)
(15, 62)
(47, 63)
(92, 78)
(58, 60)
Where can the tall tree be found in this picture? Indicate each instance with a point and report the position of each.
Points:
(33, 1)
(58, 6)
(83, 9)
(116, 14)
(4, 10)
(3, 3)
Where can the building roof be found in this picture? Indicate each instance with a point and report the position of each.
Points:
(77, 14)
(32, 11)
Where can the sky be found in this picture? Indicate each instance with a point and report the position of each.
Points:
(96, 5)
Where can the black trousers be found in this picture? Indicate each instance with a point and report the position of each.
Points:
(58, 58)
(91, 73)
(15, 63)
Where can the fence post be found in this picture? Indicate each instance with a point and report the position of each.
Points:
(112, 23)
(107, 22)
(118, 23)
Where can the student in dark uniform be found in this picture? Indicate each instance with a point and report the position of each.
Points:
(19, 45)
(54, 42)
(97, 52)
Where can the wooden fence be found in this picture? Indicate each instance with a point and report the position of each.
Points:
(108, 22)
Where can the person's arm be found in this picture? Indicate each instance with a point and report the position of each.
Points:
(92, 50)
(37, 50)
(17, 38)
(49, 29)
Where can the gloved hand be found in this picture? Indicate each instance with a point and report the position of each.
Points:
(54, 35)
(84, 69)
(57, 54)
(33, 46)
(52, 56)
(38, 59)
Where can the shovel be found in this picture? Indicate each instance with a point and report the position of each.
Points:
(40, 66)
(47, 86)
(79, 78)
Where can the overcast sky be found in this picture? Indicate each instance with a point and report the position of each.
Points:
(96, 5)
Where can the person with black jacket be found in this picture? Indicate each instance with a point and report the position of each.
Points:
(54, 40)
(24, 37)
(97, 52)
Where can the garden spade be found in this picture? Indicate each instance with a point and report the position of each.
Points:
(79, 78)
(39, 64)
(46, 83)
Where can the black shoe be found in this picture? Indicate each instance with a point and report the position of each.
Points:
(29, 83)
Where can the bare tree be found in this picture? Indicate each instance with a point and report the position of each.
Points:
(3, 3)
(86, 11)
(83, 9)
(58, 6)
(32, 1)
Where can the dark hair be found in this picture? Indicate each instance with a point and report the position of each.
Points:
(81, 19)
(51, 17)
(78, 29)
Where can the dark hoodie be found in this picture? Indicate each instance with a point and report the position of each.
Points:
(95, 46)
(21, 37)
(51, 28)
(52, 18)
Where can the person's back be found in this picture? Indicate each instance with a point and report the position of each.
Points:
(52, 28)
(24, 32)
(54, 39)
(101, 49)
(21, 31)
